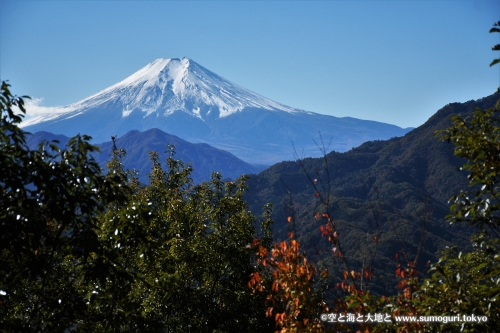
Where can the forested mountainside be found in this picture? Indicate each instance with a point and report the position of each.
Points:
(395, 190)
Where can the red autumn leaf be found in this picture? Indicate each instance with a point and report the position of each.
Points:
(255, 242)
(375, 239)
(345, 275)
(339, 254)
(317, 216)
(396, 256)
(325, 215)
(401, 284)
(402, 274)
(398, 271)
(317, 194)
(289, 219)
(290, 234)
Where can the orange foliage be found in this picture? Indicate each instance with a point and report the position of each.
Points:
(291, 287)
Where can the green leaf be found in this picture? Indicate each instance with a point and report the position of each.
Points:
(494, 62)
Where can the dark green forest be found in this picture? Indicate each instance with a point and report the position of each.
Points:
(395, 190)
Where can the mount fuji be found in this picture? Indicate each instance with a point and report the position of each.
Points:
(185, 99)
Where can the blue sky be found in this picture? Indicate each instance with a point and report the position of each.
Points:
(392, 61)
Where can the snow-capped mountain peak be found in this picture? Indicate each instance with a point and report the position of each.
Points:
(183, 98)
(169, 85)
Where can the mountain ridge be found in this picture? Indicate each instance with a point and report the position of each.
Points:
(204, 158)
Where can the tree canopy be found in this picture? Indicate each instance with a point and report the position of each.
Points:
(83, 250)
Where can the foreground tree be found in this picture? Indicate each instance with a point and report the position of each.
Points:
(49, 200)
(469, 283)
(190, 248)
(84, 251)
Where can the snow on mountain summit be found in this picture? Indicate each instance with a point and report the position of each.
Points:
(167, 85)
(191, 88)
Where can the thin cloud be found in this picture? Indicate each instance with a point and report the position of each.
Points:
(34, 108)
